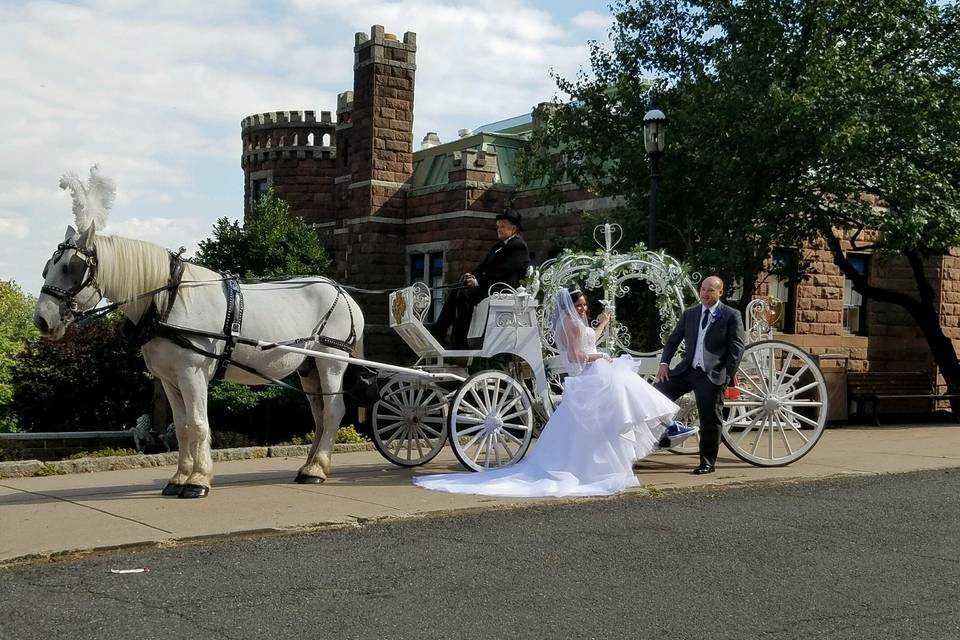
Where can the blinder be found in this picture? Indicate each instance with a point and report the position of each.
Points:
(82, 268)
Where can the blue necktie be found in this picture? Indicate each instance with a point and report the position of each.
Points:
(706, 319)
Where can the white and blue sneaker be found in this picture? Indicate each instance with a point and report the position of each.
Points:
(676, 433)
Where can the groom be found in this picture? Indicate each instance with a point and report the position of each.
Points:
(714, 338)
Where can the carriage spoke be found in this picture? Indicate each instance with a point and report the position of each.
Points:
(474, 410)
(794, 392)
(796, 376)
(748, 429)
(756, 396)
(478, 403)
(764, 387)
(515, 414)
(471, 430)
(473, 441)
(505, 444)
(747, 414)
(428, 430)
(793, 425)
(784, 369)
(393, 425)
(395, 409)
(761, 389)
(508, 435)
(802, 418)
(756, 443)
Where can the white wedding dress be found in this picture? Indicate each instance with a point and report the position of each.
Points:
(609, 417)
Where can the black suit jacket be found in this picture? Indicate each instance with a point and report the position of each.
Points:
(506, 262)
(723, 343)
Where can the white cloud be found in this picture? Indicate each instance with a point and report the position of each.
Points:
(592, 21)
(154, 92)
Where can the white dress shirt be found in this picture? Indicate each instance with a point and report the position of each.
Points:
(702, 331)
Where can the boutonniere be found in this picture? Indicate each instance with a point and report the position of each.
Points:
(715, 315)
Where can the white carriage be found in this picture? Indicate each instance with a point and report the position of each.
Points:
(489, 415)
(775, 411)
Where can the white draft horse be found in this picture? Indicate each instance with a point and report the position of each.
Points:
(87, 267)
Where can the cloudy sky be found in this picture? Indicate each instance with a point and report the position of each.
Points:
(154, 92)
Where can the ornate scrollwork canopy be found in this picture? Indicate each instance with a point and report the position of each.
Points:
(672, 282)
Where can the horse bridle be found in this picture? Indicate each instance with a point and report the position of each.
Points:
(69, 296)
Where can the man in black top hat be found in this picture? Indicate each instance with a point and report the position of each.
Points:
(507, 262)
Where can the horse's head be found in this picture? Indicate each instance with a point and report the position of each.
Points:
(69, 284)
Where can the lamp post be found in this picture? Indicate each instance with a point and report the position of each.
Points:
(654, 133)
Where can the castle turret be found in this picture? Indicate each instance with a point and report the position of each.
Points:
(294, 152)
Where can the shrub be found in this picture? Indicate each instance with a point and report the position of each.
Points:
(106, 452)
(349, 435)
(88, 380)
(229, 440)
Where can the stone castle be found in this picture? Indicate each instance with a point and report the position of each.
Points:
(391, 215)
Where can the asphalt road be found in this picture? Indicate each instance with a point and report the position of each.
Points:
(860, 558)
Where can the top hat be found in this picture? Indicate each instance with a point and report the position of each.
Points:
(511, 216)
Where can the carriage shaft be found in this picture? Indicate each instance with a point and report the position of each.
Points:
(263, 346)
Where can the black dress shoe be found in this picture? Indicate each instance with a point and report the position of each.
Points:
(699, 471)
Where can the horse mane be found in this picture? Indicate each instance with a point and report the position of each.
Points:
(128, 268)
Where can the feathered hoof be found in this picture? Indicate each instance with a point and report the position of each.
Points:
(305, 479)
(194, 491)
(172, 489)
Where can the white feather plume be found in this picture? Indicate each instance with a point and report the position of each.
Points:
(91, 201)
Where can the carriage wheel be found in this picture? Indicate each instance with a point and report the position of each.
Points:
(491, 421)
(689, 416)
(410, 422)
(780, 406)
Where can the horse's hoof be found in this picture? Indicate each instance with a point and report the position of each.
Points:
(172, 489)
(305, 479)
(194, 491)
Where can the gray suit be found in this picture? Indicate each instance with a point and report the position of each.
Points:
(723, 346)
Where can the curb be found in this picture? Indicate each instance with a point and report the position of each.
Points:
(29, 468)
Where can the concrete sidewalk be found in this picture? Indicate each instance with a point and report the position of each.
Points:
(49, 516)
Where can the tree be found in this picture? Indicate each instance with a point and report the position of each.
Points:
(272, 243)
(792, 121)
(16, 332)
(88, 380)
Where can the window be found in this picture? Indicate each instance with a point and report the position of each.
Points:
(854, 311)
(259, 188)
(782, 286)
(428, 268)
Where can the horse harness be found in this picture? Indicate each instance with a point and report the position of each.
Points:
(69, 296)
(154, 324)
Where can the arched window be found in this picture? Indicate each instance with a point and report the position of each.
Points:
(310, 139)
(326, 140)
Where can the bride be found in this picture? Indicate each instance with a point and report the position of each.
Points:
(608, 418)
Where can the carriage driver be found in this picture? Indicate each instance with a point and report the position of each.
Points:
(507, 262)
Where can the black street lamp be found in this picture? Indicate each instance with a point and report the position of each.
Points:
(654, 133)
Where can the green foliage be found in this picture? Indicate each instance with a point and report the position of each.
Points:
(49, 470)
(345, 435)
(88, 380)
(788, 120)
(271, 243)
(229, 440)
(107, 452)
(264, 415)
(16, 332)
(349, 435)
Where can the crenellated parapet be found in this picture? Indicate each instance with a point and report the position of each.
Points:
(381, 47)
(287, 134)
